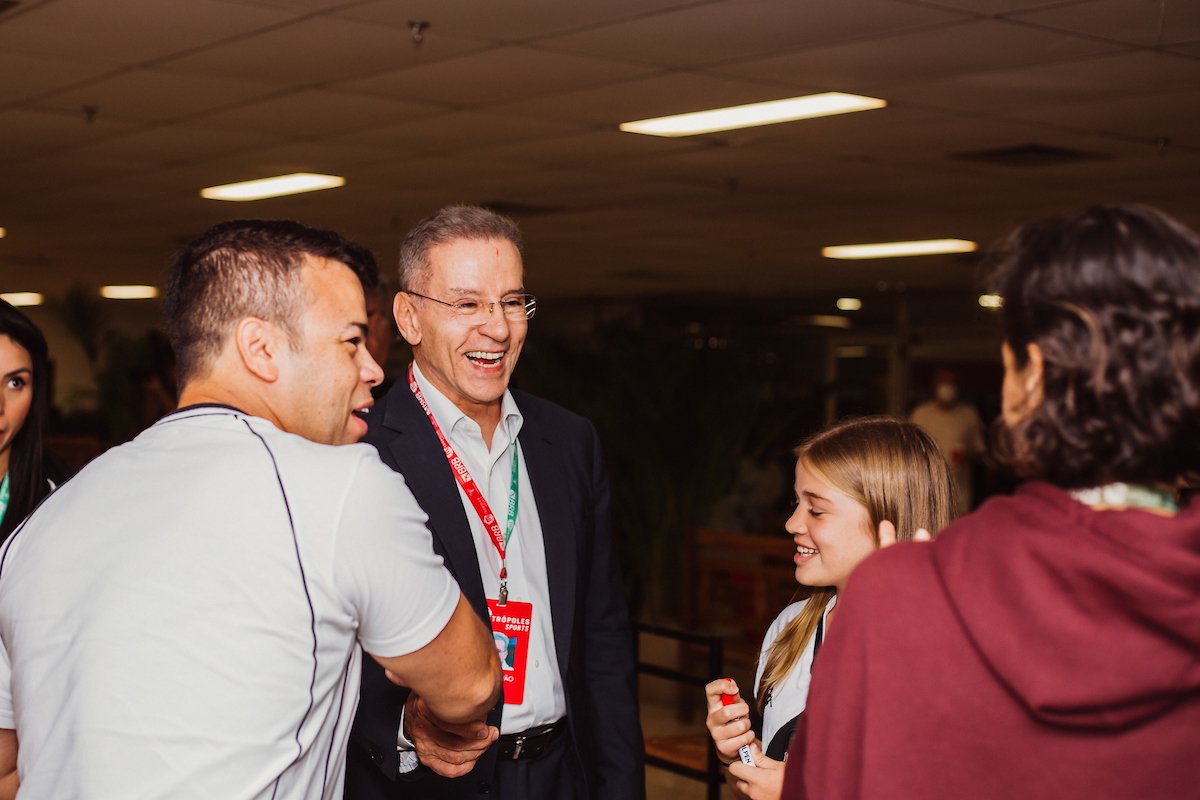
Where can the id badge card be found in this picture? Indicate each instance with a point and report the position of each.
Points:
(510, 631)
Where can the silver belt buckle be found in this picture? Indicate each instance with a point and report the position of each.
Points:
(520, 745)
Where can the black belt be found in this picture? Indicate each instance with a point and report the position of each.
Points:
(530, 743)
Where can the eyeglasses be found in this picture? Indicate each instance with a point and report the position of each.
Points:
(516, 307)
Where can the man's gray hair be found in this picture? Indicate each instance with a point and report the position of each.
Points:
(447, 225)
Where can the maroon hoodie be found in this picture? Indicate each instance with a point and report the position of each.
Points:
(1037, 649)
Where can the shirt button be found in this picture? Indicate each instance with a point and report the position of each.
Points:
(537, 663)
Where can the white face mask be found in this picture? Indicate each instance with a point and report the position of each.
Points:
(946, 393)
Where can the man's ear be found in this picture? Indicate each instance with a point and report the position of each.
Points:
(258, 344)
(405, 313)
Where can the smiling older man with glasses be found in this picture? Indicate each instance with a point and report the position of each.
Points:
(517, 499)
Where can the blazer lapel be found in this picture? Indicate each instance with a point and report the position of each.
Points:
(547, 475)
(415, 450)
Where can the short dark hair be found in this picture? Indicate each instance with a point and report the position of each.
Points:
(245, 268)
(29, 468)
(447, 225)
(1111, 296)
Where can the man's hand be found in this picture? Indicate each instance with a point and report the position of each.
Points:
(449, 750)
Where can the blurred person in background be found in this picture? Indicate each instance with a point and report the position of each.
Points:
(957, 429)
(1046, 645)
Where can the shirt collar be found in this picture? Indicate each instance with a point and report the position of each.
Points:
(449, 415)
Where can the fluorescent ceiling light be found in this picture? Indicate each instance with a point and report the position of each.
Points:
(22, 298)
(991, 301)
(849, 304)
(926, 247)
(273, 187)
(748, 116)
(128, 292)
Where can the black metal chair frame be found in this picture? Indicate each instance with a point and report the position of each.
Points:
(711, 774)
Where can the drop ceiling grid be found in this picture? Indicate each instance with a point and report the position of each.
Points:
(898, 59)
(315, 51)
(712, 33)
(128, 32)
(154, 96)
(1148, 23)
(495, 76)
(515, 21)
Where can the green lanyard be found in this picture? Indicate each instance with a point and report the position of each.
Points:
(3, 496)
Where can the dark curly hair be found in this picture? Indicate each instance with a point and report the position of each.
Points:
(1111, 296)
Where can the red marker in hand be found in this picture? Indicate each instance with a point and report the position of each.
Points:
(744, 750)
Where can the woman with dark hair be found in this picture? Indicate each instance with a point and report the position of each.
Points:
(25, 472)
(1047, 645)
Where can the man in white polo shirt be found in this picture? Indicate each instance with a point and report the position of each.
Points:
(183, 618)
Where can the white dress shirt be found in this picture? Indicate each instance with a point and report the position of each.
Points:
(544, 700)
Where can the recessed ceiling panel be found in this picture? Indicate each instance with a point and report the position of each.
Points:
(31, 76)
(735, 30)
(309, 114)
(315, 52)
(457, 132)
(150, 95)
(500, 75)
(128, 32)
(487, 20)
(1149, 23)
(896, 60)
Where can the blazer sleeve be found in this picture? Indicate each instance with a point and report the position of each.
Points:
(608, 662)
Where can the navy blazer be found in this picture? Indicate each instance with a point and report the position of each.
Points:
(592, 633)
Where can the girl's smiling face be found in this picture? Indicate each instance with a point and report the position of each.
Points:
(832, 531)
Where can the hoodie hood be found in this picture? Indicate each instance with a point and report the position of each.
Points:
(1090, 618)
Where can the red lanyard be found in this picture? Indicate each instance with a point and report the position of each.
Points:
(478, 502)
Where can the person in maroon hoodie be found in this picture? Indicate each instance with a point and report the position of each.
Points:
(1048, 645)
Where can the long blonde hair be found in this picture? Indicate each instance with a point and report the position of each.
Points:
(896, 472)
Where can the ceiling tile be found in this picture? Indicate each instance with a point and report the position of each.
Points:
(309, 114)
(316, 51)
(1125, 74)
(1149, 23)
(1167, 115)
(31, 76)
(899, 59)
(151, 95)
(499, 75)
(487, 20)
(29, 133)
(713, 33)
(593, 147)
(127, 32)
(997, 7)
(455, 132)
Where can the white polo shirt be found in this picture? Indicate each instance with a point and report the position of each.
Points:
(182, 619)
